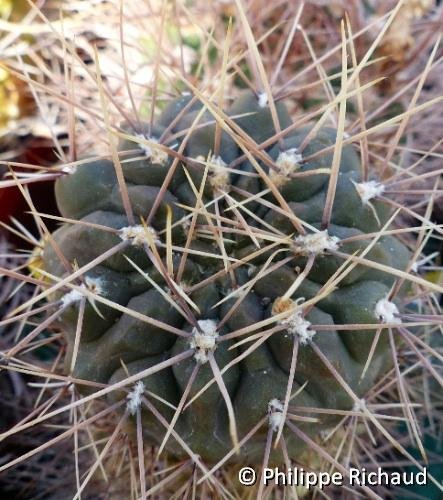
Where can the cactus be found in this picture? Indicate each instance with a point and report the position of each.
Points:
(232, 282)
(192, 305)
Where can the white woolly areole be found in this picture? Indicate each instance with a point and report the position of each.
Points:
(289, 160)
(71, 298)
(287, 163)
(369, 190)
(359, 405)
(386, 311)
(94, 285)
(204, 341)
(218, 173)
(315, 243)
(137, 234)
(155, 155)
(295, 324)
(275, 412)
(299, 327)
(263, 99)
(135, 397)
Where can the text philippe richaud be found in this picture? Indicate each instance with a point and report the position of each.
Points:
(354, 477)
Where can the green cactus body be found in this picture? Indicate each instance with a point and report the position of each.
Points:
(111, 339)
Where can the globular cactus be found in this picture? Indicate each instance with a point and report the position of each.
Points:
(212, 258)
(240, 273)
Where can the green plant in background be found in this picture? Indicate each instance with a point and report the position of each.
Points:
(235, 283)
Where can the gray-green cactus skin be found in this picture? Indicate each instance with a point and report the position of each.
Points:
(114, 344)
